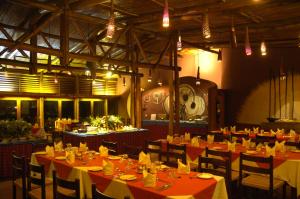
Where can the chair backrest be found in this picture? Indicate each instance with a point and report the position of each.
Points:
(246, 165)
(131, 150)
(263, 139)
(239, 136)
(293, 144)
(225, 155)
(154, 147)
(218, 136)
(96, 194)
(112, 147)
(174, 152)
(19, 170)
(36, 176)
(69, 185)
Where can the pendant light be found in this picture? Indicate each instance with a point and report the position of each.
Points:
(179, 44)
(124, 81)
(205, 27)
(248, 49)
(111, 22)
(220, 55)
(233, 35)
(263, 48)
(55, 79)
(198, 73)
(166, 19)
(150, 76)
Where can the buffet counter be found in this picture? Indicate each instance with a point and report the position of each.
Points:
(159, 128)
(134, 137)
(287, 126)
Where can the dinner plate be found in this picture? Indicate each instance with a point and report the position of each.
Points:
(95, 169)
(41, 153)
(127, 177)
(251, 152)
(114, 157)
(296, 151)
(217, 148)
(205, 175)
(60, 158)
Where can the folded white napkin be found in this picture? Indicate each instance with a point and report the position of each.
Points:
(246, 143)
(144, 159)
(70, 157)
(103, 151)
(58, 146)
(262, 131)
(270, 151)
(170, 138)
(280, 130)
(279, 146)
(108, 167)
(256, 130)
(210, 139)
(82, 145)
(187, 136)
(50, 151)
(272, 132)
(233, 129)
(224, 130)
(182, 168)
(195, 142)
(247, 130)
(149, 179)
(292, 133)
(231, 146)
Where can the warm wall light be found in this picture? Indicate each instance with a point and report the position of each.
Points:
(233, 35)
(220, 56)
(111, 22)
(166, 19)
(263, 48)
(159, 82)
(179, 44)
(55, 79)
(69, 73)
(248, 49)
(205, 27)
(198, 76)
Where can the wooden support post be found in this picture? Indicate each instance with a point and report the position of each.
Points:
(33, 55)
(64, 35)
(171, 104)
(138, 103)
(176, 83)
(105, 106)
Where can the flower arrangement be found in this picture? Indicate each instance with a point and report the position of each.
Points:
(110, 122)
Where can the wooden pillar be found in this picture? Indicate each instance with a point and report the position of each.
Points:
(59, 108)
(18, 109)
(64, 35)
(176, 83)
(76, 109)
(41, 113)
(138, 103)
(33, 55)
(105, 106)
(132, 101)
(171, 104)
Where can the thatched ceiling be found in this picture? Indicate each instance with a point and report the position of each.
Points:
(275, 21)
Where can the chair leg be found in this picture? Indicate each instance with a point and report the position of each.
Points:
(284, 190)
(14, 192)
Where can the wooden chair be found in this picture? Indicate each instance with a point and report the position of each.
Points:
(232, 176)
(96, 194)
(175, 152)
(112, 147)
(293, 144)
(132, 151)
(239, 137)
(18, 175)
(64, 189)
(154, 148)
(37, 183)
(259, 177)
(265, 139)
(209, 165)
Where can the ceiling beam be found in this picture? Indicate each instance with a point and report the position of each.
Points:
(87, 57)
(83, 4)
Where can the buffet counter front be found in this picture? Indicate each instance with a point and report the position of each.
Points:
(136, 137)
(159, 128)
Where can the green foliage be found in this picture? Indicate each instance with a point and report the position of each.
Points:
(14, 128)
(111, 122)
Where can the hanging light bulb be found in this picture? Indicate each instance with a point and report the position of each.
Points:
(233, 35)
(220, 55)
(166, 19)
(263, 48)
(159, 82)
(109, 74)
(248, 49)
(69, 73)
(124, 81)
(205, 27)
(179, 44)
(87, 73)
(94, 82)
(55, 79)
(150, 76)
(198, 76)
(111, 23)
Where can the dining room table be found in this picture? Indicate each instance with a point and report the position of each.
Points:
(127, 180)
(286, 164)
